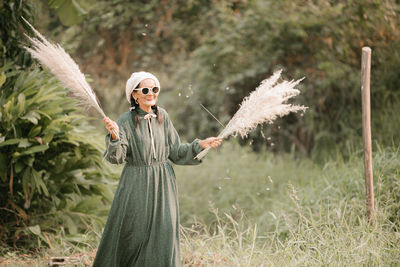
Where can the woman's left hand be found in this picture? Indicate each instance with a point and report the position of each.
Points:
(211, 141)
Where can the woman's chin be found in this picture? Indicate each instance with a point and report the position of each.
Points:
(150, 103)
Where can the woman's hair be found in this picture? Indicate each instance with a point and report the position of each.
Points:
(135, 106)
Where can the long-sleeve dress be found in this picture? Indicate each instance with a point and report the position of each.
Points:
(142, 228)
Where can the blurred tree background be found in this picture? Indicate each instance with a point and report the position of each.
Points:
(210, 52)
(215, 52)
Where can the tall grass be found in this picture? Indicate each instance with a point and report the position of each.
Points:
(239, 208)
(245, 209)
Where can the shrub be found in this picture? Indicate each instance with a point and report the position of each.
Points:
(51, 168)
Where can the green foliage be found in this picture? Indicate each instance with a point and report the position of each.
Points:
(387, 175)
(52, 172)
(119, 37)
(70, 12)
(216, 52)
(235, 180)
(13, 26)
(12, 29)
(243, 208)
(311, 215)
(319, 40)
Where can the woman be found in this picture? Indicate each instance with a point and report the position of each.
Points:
(142, 228)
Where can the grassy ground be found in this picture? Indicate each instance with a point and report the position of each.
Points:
(244, 209)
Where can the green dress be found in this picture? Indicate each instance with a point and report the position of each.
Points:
(142, 228)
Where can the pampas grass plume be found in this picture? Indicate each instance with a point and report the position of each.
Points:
(265, 104)
(64, 68)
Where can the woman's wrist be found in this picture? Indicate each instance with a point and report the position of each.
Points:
(201, 143)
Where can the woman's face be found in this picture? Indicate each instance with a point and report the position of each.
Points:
(150, 98)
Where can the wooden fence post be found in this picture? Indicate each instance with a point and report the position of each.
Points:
(366, 124)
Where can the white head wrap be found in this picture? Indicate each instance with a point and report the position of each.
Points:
(135, 79)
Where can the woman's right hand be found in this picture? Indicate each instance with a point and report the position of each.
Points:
(212, 142)
(110, 124)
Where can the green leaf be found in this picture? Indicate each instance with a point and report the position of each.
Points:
(21, 103)
(3, 167)
(19, 166)
(27, 180)
(34, 149)
(24, 143)
(44, 114)
(62, 204)
(32, 116)
(47, 138)
(69, 11)
(10, 142)
(29, 160)
(34, 131)
(35, 229)
(8, 107)
(2, 79)
(78, 153)
(40, 186)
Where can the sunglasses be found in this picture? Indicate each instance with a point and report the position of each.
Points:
(146, 90)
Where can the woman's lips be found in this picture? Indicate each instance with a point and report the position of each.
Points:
(150, 100)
